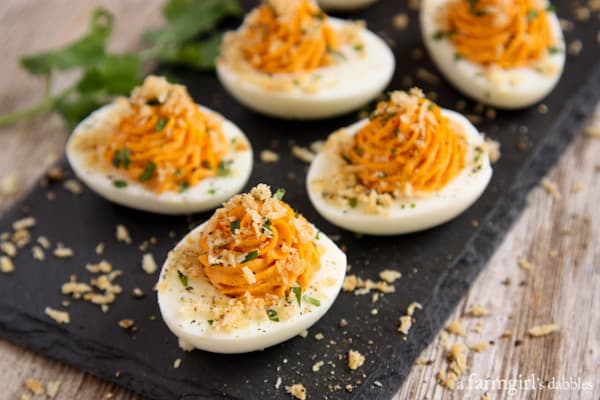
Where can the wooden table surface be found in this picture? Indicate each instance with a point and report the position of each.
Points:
(558, 236)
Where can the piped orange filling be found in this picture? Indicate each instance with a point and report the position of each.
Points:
(408, 145)
(279, 38)
(506, 33)
(166, 142)
(257, 244)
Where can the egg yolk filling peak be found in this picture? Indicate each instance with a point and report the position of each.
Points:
(406, 149)
(288, 36)
(163, 140)
(257, 245)
(504, 33)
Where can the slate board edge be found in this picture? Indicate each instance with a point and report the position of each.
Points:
(448, 292)
(467, 266)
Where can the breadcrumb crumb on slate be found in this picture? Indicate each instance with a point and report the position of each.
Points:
(278, 383)
(122, 234)
(73, 186)
(126, 323)
(62, 317)
(100, 248)
(317, 366)
(63, 252)
(492, 148)
(303, 154)
(44, 242)
(38, 253)
(269, 156)
(24, 223)
(177, 363)
(542, 330)
(400, 21)
(6, 265)
(148, 264)
(297, 390)
(390, 275)
(34, 386)
(355, 359)
(456, 328)
(405, 324)
(8, 248)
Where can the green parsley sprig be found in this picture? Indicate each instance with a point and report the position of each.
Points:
(188, 38)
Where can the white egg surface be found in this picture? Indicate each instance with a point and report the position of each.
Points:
(86, 154)
(307, 82)
(500, 71)
(344, 5)
(344, 201)
(240, 316)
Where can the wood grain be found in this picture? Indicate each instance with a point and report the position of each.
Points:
(558, 236)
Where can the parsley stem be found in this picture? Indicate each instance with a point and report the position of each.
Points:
(43, 106)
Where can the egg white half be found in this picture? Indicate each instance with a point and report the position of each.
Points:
(184, 310)
(207, 194)
(357, 81)
(401, 216)
(344, 5)
(504, 88)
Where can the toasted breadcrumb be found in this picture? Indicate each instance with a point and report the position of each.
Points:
(542, 330)
(148, 264)
(8, 248)
(484, 397)
(73, 186)
(317, 366)
(317, 146)
(6, 265)
(268, 156)
(44, 242)
(352, 283)
(38, 253)
(9, 184)
(303, 154)
(122, 234)
(319, 336)
(100, 248)
(457, 356)
(278, 382)
(405, 324)
(456, 328)
(138, 293)
(575, 47)
(478, 311)
(127, 323)
(62, 317)
(34, 386)
(52, 388)
(427, 76)
(177, 363)
(63, 252)
(410, 310)
(492, 148)
(400, 21)
(25, 223)
(390, 275)
(355, 359)
(297, 390)
(479, 347)
(448, 381)
(578, 187)
(525, 264)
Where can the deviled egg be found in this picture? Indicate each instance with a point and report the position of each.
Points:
(344, 5)
(159, 151)
(290, 60)
(412, 165)
(506, 53)
(254, 275)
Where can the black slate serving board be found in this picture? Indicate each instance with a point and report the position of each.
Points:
(437, 265)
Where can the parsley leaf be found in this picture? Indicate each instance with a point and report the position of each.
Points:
(120, 184)
(147, 174)
(297, 293)
(272, 314)
(250, 256)
(121, 158)
(182, 278)
(311, 300)
(352, 202)
(235, 225)
(161, 123)
(279, 193)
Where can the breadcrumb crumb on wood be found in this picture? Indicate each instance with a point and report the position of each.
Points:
(6, 265)
(303, 154)
(448, 381)
(578, 187)
(73, 186)
(297, 390)
(525, 264)
(24, 223)
(390, 275)
(456, 328)
(484, 397)
(479, 347)
(52, 388)
(62, 317)
(457, 356)
(177, 363)
(34, 386)
(148, 264)
(355, 359)
(9, 184)
(269, 156)
(122, 234)
(551, 188)
(542, 330)
(478, 311)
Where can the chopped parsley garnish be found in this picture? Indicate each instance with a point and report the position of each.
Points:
(337, 53)
(121, 158)
(532, 14)
(279, 193)
(267, 226)
(554, 50)
(551, 8)
(272, 314)
(439, 35)
(161, 123)
(120, 184)
(311, 300)
(182, 278)
(318, 235)
(235, 225)
(223, 169)
(345, 158)
(210, 321)
(153, 102)
(298, 294)
(320, 15)
(353, 202)
(212, 191)
(147, 174)
(183, 186)
(250, 256)
(359, 47)
(458, 56)
(412, 205)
